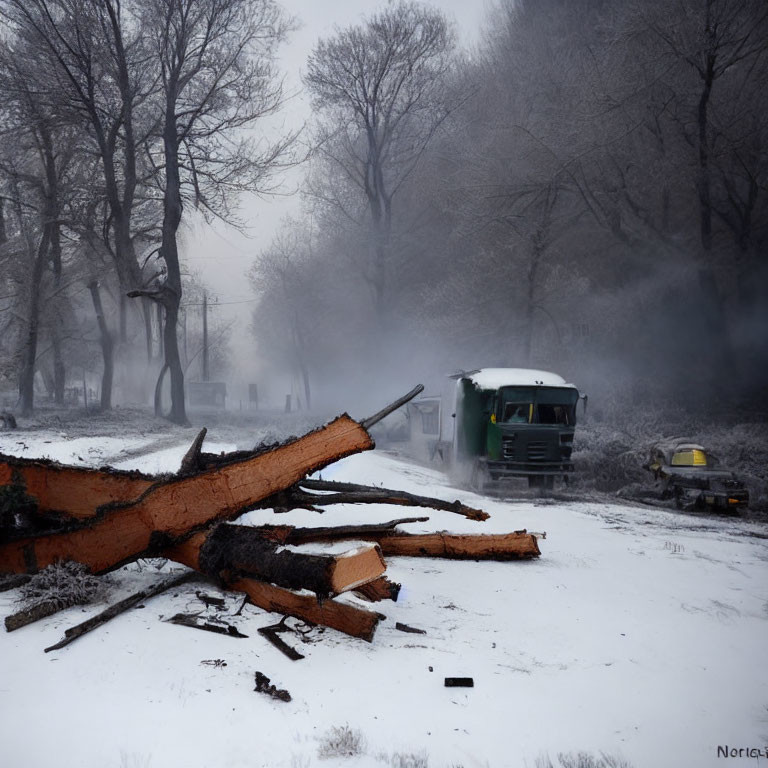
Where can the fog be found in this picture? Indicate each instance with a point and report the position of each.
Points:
(555, 185)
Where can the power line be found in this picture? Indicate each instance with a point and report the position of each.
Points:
(218, 303)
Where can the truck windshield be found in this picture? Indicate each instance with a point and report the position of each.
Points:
(537, 405)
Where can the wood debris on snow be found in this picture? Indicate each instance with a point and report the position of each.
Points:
(105, 518)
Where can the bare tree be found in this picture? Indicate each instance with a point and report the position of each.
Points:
(712, 45)
(36, 165)
(379, 88)
(92, 67)
(215, 60)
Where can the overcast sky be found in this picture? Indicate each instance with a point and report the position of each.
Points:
(223, 256)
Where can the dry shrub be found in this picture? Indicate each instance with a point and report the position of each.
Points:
(583, 760)
(409, 760)
(341, 741)
(62, 585)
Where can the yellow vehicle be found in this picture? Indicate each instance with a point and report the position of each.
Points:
(691, 477)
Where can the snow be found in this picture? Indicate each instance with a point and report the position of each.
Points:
(493, 378)
(638, 633)
(78, 451)
(97, 451)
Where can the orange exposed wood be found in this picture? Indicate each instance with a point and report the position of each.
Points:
(172, 508)
(379, 589)
(74, 492)
(356, 568)
(502, 546)
(330, 613)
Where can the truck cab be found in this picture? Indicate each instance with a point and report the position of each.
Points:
(514, 422)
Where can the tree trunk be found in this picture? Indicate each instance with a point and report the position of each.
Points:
(107, 347)
(158, 400)
(146, 311)
(59, 368)
(173, 508)
(178, 413)
(29, 355)
(713, 308)
(171, 297)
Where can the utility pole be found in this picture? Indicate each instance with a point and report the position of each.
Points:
(205, 336)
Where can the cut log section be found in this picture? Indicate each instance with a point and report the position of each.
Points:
(488, 546)
(171, 508)
(501, 546)
(237, 550)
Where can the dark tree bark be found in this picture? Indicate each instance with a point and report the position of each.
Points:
(29, 354)
(107, 347)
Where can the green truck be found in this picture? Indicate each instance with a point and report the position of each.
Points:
(511, 423)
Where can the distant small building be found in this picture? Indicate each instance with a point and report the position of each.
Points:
(207, 393)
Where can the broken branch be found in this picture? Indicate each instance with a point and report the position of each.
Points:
(352, 493)
(89, 625)
(384, 412)
(272, 634)
(38, 611)
(191, 620)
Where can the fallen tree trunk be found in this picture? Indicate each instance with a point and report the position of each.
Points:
(89, 625)
(70, 492)
(500, 546)
(352, 493)
(232, 551)
(171, 508)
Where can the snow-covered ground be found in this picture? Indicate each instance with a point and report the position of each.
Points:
(638, 633)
